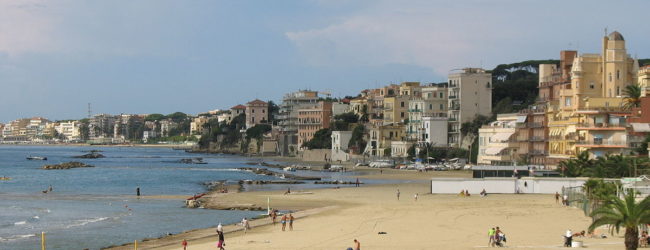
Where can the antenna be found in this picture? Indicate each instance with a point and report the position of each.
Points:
(89, 111)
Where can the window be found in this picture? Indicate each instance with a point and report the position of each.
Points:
(430, 106)
(263, 111)
(591, 85)
(618, 74)
(401, 114)
(567, 101)
(402, 104)
(441, 95)
(429, 95)
(618, 90)
(610, 77)
(441, 107)
(252, 110)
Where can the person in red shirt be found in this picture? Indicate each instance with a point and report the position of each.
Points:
(184, 243)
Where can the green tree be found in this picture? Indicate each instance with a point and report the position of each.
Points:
(322, 140)
(257, 131)
(154, 117)
(643, 147)
(357, 143)
(626, 213)
(633, 96)
(177, 117)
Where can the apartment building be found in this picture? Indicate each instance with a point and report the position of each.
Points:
(497, 141)
(469, 95)
(312, 119)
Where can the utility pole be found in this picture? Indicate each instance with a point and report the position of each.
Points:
(89, 111)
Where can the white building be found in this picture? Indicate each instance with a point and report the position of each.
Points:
(434, 130)
(399, 148)
(339, 108)
(498, 141)
(69, 129)
(340, 140)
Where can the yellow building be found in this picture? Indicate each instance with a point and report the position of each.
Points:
(381, 138)
(395, 109)
(588, 113)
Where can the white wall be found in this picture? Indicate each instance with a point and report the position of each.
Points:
(503, 185)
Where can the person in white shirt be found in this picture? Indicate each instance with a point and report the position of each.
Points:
(568, 238)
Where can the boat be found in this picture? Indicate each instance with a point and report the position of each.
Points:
(289, 169)
(5, 178)
(39, 158)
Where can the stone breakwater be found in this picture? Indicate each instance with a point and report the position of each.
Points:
(263, 171)
(67, 165)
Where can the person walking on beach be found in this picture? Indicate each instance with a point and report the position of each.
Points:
(283, 221)
(50, 188)
(491, 233)
(245, 224)
(357, 183)
(291, 222)
(219, 228)
(184, 244)
(357, 245)
(415, 196)
(221, 243)
(274, 216)
(398, 194)
(137, 192)
(557, 198)
(568, 238)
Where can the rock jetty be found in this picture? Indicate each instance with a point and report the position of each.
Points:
(67, 165)
(263, 171)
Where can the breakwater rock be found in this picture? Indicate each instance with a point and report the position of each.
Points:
(91, 155)
(67, 165)
(263, 171)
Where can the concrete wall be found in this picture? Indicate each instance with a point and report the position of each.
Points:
(504, 185)
(317, 155)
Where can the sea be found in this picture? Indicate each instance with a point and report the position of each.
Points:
(96, 207)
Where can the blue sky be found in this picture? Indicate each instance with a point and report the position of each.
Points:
(161, 56)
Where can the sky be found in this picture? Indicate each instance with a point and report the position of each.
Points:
(163, 56)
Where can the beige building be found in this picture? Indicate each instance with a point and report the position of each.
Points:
(497, 141)
(196, 126)
(313, 119)
(237, 110)
(70, 130)
(469, 95)
(257, 112)
(432, 103)
(644, 80)
(381, 138)
(395, 109)
(586, 112)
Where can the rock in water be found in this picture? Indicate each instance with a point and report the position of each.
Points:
(67, 165)
(91, 155)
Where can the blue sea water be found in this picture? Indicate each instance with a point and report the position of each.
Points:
(96, 207)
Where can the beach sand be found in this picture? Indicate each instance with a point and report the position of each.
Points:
(333, 218)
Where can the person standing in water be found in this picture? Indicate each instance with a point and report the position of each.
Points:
(137, 192)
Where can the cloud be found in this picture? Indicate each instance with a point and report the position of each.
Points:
(446, 35)
(25, 26)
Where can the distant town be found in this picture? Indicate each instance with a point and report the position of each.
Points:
(590, 103)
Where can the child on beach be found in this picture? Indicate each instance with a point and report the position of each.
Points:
(221, 243)
(184, 243)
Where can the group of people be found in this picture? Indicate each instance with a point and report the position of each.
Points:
(286, 219)
(565, 199)
(464, 193)
(496, 237)
(644, 239)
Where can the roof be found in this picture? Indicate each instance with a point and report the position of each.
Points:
(257, 101)
(616, 36)
(239, 107)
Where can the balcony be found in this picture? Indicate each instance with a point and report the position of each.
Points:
(538, 152)
(535, 125)
(600, 126)
(414, 110)
(453, 97)
(601, 143)
(454, 107)
(453, 119)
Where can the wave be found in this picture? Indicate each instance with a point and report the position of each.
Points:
(79, 223)
(20, 223)
(17, 237)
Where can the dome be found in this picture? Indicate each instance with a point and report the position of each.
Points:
(616, 36)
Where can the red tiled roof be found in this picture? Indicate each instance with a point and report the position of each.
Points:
(239, 107)
(257, 101)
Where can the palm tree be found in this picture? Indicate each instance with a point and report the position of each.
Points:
(633, 99)
(626, 213)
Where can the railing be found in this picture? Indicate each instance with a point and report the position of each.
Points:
(452, 97)
(536, 138)
(538, 152)
(452, 119)
(600, 141)
(414, 110)
(454, 107)
(535, 125)
(601, 125)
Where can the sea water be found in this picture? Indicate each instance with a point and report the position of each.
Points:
(96, 207)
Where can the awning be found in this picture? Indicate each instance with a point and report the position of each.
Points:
(571, 129)
(494, 151)
(641, 127)
(498, 137)
(554, 132)
(521, 118)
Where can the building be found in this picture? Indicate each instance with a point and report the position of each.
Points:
(197, 124)
(313, 119)
(400, 148)
(101, 126)
(532, 135)
(237, 110)
(166, 126)
(432, 103)
(70, 130)
(497, 141)
(380, 138)
(434, 130)
(585, 105)
(287, 119)
(395, 109)
(340, 141)
(469, 95)
(257, 112)
(339, 108)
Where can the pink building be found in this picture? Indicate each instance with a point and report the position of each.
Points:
(313, 119)
(257, 112)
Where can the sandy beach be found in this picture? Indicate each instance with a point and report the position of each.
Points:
(333, 218)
